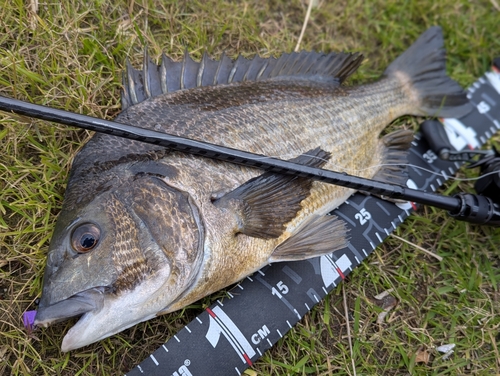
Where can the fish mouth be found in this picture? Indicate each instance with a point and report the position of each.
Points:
(79, 304)
(73, 338)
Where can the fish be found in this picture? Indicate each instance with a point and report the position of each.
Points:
(145, 230)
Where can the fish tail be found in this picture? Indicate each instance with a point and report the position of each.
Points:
(421, 70)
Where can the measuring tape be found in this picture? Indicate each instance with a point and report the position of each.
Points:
(229, 336)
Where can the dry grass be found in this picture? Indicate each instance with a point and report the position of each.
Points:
(70, 55)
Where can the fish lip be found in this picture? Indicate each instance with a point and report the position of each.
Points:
(76, 305)
(70, 340)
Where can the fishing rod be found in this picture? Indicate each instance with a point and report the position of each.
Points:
(231, 334)
(468, 207)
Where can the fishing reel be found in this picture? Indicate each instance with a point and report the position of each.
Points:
(475, 208)
(483, 207)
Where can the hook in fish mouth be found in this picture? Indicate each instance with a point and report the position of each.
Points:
(76, 305)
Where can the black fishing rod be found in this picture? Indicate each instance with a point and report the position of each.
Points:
(463, 206)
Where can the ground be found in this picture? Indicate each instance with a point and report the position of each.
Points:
(70, 55)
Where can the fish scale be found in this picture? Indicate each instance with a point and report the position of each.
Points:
(258, 318)
(239, 218)
(312, 128)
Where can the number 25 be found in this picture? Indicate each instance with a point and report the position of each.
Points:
(363, 216)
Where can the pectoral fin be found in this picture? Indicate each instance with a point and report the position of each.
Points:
(321, 235)
(263, 205)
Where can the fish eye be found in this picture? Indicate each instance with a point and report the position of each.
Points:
(85, 237)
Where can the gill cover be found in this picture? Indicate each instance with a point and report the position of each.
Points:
(147, 229)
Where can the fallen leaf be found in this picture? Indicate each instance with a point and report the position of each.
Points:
(386, 302)
(423, 356)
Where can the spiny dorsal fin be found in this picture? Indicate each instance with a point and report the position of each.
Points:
(170, 76)
(263, 205)
(189, 72)
(141, 85)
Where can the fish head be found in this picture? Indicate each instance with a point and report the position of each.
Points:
(120, 258)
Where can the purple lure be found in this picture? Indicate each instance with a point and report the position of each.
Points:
(29, 319)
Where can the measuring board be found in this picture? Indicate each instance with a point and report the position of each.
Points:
(229, 336)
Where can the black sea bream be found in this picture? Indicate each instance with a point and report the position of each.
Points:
(145, 231)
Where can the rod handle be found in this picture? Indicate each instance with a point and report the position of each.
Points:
(477, 209)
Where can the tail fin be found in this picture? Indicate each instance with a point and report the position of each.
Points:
(422, 69)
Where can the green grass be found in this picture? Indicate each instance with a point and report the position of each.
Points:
(70, 55)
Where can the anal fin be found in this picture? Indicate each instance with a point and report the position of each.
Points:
(395, 147)
(319, 236)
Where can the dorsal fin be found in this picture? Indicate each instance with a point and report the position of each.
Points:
(170, 76)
